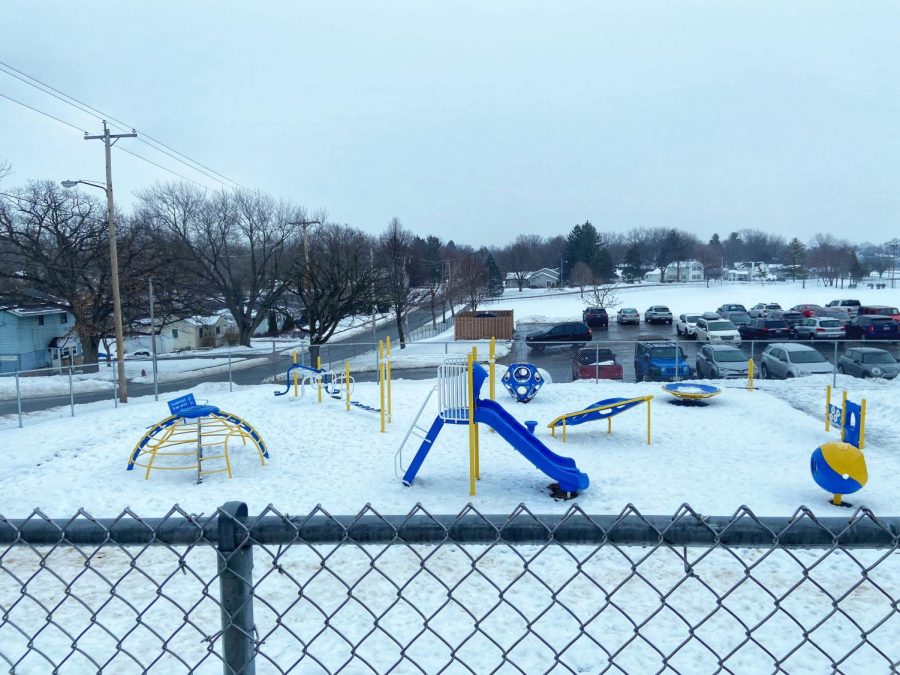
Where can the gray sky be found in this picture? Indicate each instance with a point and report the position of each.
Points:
(478, 121)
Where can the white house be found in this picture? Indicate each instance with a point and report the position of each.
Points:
(197, 332)
(542, 278)
(752, 271)
(682, 270)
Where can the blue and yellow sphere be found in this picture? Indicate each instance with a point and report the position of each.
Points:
(839, 468)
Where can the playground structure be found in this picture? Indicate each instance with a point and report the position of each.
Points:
(337, 385)
(200, 432)
(690, 393)
(459, 402)
(605, 409)
(523, 381)
(839, 468)
(849, 417)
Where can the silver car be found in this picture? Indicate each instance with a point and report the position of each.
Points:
(819, 328)
(721, 362)
(868, 362)
(785, 360)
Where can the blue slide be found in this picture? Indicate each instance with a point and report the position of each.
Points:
(561, 469)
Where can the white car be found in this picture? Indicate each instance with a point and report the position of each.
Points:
(849, 306)
(716, 331)
(685, 324)
(761, 309)
(786, 360)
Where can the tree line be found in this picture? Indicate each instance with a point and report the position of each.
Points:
(259, 257)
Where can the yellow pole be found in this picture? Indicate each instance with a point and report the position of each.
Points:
(862, 424)
(837, 500)
(648, 421)
(564, 429)
(828, 408)
(470, 389)
(475, 427)
(750, 367)
(843, 414)
(347, 382)
(388, 376)
(609, 425)
(319, 379)
(381, 379)
(296, 385)
(295, 356)
(491, 364)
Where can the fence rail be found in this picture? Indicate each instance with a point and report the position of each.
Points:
(473, 592)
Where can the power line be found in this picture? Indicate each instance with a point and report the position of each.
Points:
(148, 140)
(150, 161)
(41, 112)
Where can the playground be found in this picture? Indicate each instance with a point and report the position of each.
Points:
(741, 447)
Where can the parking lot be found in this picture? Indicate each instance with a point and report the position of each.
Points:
(557, 359)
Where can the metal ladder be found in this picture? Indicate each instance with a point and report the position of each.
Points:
(415, 429)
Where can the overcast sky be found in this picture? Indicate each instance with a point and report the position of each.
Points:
(478, 120)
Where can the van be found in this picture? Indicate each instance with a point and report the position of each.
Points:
(880, 310)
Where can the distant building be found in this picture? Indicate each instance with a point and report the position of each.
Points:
(542, 278)
(679, 271)
(39, 336)
(197, 332)
(753, 271)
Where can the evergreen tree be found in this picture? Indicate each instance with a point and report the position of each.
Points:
(796, 258)
(585, 244)
(634, 268)
(495, 276)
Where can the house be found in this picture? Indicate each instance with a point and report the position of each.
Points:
(681, 270)
(542, 278)
(39, 336)
(752, 271)
(197, 332)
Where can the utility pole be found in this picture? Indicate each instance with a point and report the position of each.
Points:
(304, 223)
(374, 306)
(108, 141)
(153, 344)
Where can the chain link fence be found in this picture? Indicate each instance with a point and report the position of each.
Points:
(423, 593)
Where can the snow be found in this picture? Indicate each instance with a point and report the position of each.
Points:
(743, 448)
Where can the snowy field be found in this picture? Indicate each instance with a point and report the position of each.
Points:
(743, 448)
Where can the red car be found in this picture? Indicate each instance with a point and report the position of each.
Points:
(880, 310)
(807, 310)
(592, 363)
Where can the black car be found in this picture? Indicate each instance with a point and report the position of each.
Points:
(790, 316)
(873, 327)
(574, 334)
(738, 318)
(595, 317)
(765, 329)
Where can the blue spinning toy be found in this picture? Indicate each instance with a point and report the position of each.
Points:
(523, 381)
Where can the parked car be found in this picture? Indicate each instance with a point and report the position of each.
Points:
(658, 314)
(485, 315)
(628, 315)
(789, 316)
(721, 361)
(868, 362)
(835, 313)
(717, 330)
(737, 318)
(574, 334)
(807, 310)
(730, 307)
(873, 327)
(595, 317)
(685, 324)
(785, 360)
(880, 310)
(849, 306)
(819, 328)
(765, 329)
(659, 360)
(590, 363)
(762, 309)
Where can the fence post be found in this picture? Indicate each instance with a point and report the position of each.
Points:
(274, 374)
(230, 384)
(71, 394)
(235, 567)
(19, 399)
(115, 388)
(834, 367)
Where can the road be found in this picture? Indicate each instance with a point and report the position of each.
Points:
(557, 361)
(333, 354)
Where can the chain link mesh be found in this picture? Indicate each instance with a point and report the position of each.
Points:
(422, 593)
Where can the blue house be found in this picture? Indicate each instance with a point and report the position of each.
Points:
(38, 336)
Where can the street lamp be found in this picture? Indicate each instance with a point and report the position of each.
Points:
(114, 267)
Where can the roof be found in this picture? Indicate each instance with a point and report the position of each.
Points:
(198, 320)
(793, 347)
(868, 350)
(722, 348)
(34, 310)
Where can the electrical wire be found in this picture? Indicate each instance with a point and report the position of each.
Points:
(148, 140)
(41, 112)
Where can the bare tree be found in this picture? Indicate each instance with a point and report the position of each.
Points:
(604, 295)
(5, 168)
(238, 245)
(55, 250)
(395, 245)
(471, 278)
(581, 275)
(521, 257)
